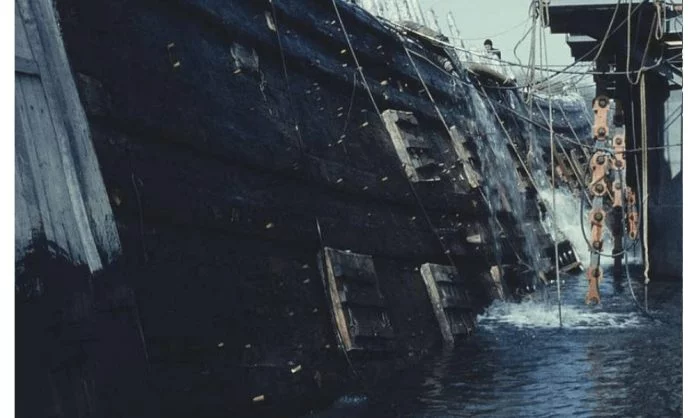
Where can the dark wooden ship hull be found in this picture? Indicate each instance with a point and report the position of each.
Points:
(273, 247)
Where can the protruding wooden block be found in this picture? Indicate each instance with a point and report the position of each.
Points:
(450, 301)
(357, 303)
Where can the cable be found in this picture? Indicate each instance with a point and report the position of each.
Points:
(552, 145)
(287, 79)
(522, 116)
(510, 141)
(644, 142)
(645, 53)
(427, 90)
(578, 176)
(653, 148)
(524, 36)
(556, 73)
(379, 114)
(587, 241)
(606, 34)
(659, 30)
(437, 109)
(494, 35)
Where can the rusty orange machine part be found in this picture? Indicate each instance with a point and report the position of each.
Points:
(594, 276)
(619, 163)
(599, 164)
(600, 106)
(602, 164)
(597, 217)
(632, 214)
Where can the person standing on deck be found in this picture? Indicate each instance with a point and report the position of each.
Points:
(488, 47)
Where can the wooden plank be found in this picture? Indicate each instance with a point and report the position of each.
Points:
(41, 97)
(344, 337)
(27, 204)
(368, 322)
(56, 142)
(473, 177)
(428, 274)
(390, 118)
(22, 48)
(26, 66)
(37, 140)
(358, 309)
(450, 301)
(100, 229)
(363, 297)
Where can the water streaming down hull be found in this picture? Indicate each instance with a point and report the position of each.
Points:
(503, 190)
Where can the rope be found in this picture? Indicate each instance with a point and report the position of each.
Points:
(509, 109)
(587, 241)
(553, 205)
(644, 141)
(659, 31)
(440, 116)
(510, 141)
(300, 142)
(606, 34)
(419, 201)
(437, 109)
(493, 35)
(572, 166)
(642, 67)
(519, 157)
(628, 274)
(397, 26)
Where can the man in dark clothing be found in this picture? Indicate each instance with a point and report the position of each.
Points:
(488, 45)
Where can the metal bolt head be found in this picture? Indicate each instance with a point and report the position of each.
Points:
(598, 216)
(599, 188)
(597, 245)
(601, 131)
(600, 159)
(602, 102)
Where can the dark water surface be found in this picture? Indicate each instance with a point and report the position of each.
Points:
(607, 361)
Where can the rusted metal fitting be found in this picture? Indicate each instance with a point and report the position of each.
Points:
(631, 198)
(601, 132)
(598, 189)
(600, 159)
(602, 101)
(594, 275)
(597, 245)
(597, 217)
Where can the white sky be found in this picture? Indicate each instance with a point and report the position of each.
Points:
(481, 19)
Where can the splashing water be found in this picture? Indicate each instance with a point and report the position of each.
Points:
(567, 220)
(503, 190)
(531, 314)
